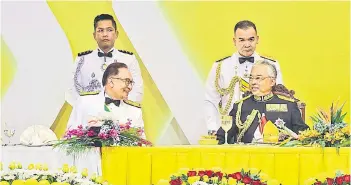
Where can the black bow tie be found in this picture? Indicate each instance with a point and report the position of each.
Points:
(109, 54)
(243, 59)
(109, 100)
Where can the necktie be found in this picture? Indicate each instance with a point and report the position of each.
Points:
(249, 59)
(101, 54)
(109, 100)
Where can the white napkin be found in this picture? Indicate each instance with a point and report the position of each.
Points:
(37, 135)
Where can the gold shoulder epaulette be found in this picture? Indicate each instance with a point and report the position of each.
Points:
(85, 53)
(285, 98)
(88, 93)
(126, 52)
(268, 58)
(222, 59)
(242, 99)
(132, 103)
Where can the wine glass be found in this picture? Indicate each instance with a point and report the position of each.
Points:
(226, 124)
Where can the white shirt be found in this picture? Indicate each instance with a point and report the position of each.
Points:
(230, 68)
(91, 106)
(88, 71)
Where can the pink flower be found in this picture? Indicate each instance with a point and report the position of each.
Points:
(113, 133)
(91, 133)
(145, 142)
(140, 132)
(80, 133)
(80, 127)
(128, 124)
(67, 136)
(103, 136)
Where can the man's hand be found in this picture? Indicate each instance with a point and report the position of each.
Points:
(94, 122)
(212, 132)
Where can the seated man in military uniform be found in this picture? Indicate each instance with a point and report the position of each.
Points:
(248, 112)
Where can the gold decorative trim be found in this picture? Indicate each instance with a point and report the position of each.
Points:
(244, 126)
(264, 98)
(285, 98)
(132, 103)
(225, 91)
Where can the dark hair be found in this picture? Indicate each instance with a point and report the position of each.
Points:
(102, 17)
(244, 25)
(111, 70)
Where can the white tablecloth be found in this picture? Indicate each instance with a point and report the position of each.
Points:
(54, 158)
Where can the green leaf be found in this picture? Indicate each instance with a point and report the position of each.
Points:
(292, 143)
(346, 143)
(332, 113)
(338, 113)
(342, 117)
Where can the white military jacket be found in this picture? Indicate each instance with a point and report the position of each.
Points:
(230, 67)
(93, 106)
(89, 68)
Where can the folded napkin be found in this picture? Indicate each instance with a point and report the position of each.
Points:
(37, 135)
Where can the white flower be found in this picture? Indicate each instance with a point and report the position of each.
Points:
(9, 177)
(81, 181)
(199, 183)
(279, 123)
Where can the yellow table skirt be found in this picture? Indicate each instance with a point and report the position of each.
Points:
(291, 166)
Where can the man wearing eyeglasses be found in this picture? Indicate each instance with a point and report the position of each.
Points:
(250, 114)
(229, 77)
(118, 83)
(90, 65)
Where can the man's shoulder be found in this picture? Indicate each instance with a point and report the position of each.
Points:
(285, 99)
(132, 104)
(84, 53)
(125, 56)
(90, 99)
(269, 58)
(246, 98)
(223, 59)
(125, 52)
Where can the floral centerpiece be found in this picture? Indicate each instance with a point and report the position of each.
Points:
(329, 130)
(339, 179)
(40, 174)
(107, 133)
(217, 177)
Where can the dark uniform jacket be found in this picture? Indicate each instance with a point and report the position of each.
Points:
(273, 106)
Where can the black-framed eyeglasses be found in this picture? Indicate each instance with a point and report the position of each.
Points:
(127, 81)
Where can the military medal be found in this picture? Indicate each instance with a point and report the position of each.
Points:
(246, 75)
(103, 67)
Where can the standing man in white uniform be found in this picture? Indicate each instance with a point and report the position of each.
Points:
(229, 77)
(90, 65)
